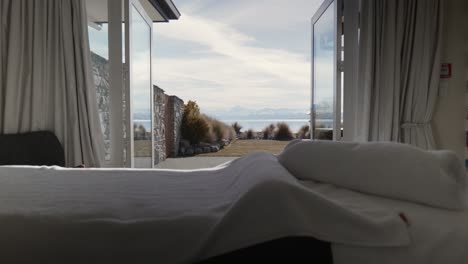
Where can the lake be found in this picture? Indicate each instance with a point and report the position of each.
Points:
(260, 124)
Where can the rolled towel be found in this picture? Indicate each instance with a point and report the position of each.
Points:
(393, 170)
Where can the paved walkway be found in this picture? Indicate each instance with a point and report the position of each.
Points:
(193, 163)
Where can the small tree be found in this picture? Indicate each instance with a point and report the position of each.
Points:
(283, 132)
(198, 130)
(142, 128)
(304, 132)
(268, 131)
(250, 134)
(194, 127)
(140, 132)
(237, 128)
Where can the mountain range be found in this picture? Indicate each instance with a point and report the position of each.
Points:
(242, 113)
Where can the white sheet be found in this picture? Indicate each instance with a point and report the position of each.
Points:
(175, 216)
(437, 235)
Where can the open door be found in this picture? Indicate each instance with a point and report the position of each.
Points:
(326, 109)
(120, 34)
(139, 86)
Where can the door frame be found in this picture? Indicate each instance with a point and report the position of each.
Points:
(119, 42)
(129, 144)
(337, 68)
(351, 12)
(117, 77)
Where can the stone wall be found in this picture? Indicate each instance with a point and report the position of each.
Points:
(101, 81)
(159, 117)
(173, 125)
(168, 125)
(167, 112)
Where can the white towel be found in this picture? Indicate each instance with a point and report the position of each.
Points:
(398, 171)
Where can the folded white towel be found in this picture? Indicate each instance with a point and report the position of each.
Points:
(393, 170)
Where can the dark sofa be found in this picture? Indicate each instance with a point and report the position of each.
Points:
(34, 148)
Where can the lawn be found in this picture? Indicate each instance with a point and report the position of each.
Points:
(142, 148)
(243, 147)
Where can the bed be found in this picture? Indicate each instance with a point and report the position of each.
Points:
(252, 208)
(437, 235)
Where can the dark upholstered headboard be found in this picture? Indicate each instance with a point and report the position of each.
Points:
(34, 148)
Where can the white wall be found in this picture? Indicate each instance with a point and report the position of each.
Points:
(449, 117)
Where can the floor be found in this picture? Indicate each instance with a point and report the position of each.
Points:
(142, 162)
(192, 163)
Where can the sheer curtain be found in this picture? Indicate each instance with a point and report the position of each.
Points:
(46, 78)
(399, 60)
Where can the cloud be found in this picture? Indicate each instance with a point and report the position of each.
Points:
(260, 14)
(232, 67)
(224, 40)
(214, 85)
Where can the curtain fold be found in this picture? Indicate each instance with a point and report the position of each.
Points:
(47, 82)
(399, 60)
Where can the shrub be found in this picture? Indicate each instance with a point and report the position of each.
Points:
(199, 129)
(304, 132)
(237, 128)
(140, 133)
(141, 129)
(250, 134)
(268, 131)
(194, 127)
(283, 132)
(214, 131)
(325, 134)
(231, 133)
(210, 136)
(218, 130)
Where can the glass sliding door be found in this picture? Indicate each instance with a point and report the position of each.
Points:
(139, 83)
(120, 34)
(99, 35)
(326, 109)
(99, 47)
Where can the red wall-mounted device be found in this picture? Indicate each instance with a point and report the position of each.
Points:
(445, 70)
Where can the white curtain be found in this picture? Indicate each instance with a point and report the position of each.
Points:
(46, 78)
(399, 62)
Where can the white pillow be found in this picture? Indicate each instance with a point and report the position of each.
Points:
(393, 170)
(294, 142)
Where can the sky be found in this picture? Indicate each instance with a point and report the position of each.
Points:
(227, 53)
